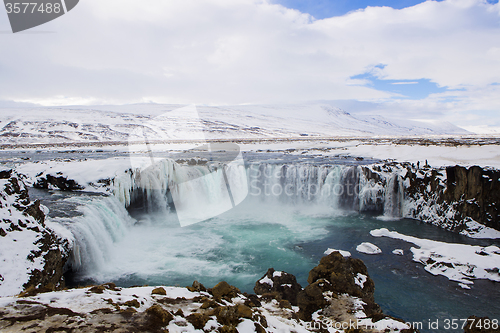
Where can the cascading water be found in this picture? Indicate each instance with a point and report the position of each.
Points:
(340, 187)
(158, 196)
(104, 221)
(394, 197)
(196, 193)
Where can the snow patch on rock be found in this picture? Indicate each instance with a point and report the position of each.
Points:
(345, 254)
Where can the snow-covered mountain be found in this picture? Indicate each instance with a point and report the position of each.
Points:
(163, 122)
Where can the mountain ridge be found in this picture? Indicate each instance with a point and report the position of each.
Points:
(129, 122)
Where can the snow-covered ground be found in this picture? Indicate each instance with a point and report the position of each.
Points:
(458, 262)
(94, 308)
(345, 254)
(171, 122)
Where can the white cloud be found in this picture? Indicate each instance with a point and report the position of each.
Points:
(246, 51)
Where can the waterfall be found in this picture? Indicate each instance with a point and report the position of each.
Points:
(292, 184)
(394, 197)
(196, 193)
(341, 187)
(371, 192)
(167, 194)
(104, 222)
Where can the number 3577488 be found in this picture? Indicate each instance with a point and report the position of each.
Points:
(33, 7)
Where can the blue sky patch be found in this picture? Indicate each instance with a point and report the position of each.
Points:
(321, 9)
(410, 89)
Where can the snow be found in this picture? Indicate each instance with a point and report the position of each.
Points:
(246, 326)
(343, 253)
(277, 273)
(368, 248)
(477, 230)
(84, 172)
(17, 245)
(458, 262)
(59, 230)
(160, 122)
(15, 266)
(82, 300)
(398, 252)
(266, 280)
(436, 155)
(360, 279)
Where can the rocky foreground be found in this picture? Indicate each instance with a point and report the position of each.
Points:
(339, 298)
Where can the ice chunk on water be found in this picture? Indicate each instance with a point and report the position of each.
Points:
(368, 248)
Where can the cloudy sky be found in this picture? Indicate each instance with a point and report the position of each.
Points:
(408, 58)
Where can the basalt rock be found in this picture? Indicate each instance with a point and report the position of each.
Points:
(231, 315)
(224, 290)
(198, 320)
(159, 291)
(282, 284)
(26, 220)
(452, 197)
(475, 193)
(345, 275)
(55, 258)
(339, 275)
(60, 182)
(159, 317)
(197, 287)
(310, 300)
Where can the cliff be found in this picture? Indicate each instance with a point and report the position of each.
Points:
(456, 198)
(32, 254)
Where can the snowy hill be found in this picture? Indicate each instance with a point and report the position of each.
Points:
(163, 122)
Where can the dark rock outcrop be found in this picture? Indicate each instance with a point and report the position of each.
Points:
(198, 320)
(60, 182)
(450, 197)
(29, 218)
(339, 275)
(224, 290)
(281, 284)
(475, 194)
(310, 300)
(453, 196)
(158, 316)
